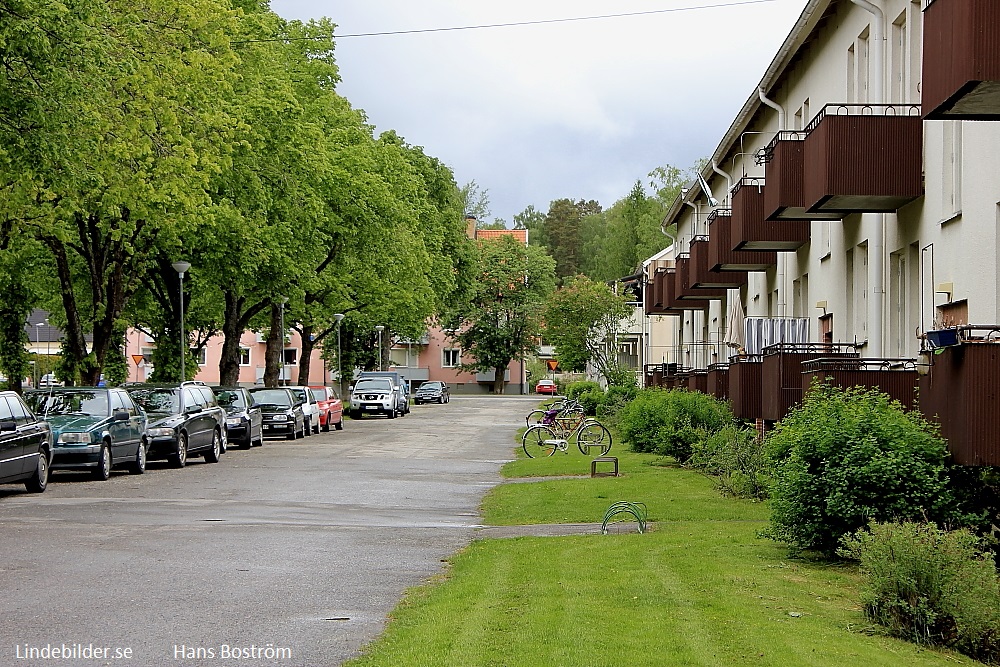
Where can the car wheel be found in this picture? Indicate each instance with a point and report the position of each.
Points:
(103, 469)
(392, 413)
(248, 443)
(441, 401)
(40, 480)
(305, 429)
(179, 458)
(223, 440)
(326, 423)
(292, 434)
(340, 425)
(212, 455)
(138, 466)
(259, 442)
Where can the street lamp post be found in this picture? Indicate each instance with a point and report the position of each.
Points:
(181, 268)
(379, 329)
(281, 359)
(38, 346)
(340, 369)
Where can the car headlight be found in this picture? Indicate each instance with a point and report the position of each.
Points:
(233, 421)
(160, 432)
(280, 418)
(74, 437)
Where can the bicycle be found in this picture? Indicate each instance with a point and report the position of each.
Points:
(536, 416)
(559, 426)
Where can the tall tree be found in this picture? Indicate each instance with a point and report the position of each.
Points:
(503, 322)
(562, 229)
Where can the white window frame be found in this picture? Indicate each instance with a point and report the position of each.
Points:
(446, 353)
(249, 356)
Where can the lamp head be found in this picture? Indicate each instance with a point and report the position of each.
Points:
(338, 317)
(181, 267)
(379, 328)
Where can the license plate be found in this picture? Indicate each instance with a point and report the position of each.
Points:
(373, 407)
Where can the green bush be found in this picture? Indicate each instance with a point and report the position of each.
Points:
(671, 422)
(847, 457)
(737, 459)
(930, 586)
(574, 389)
(591, 401)
(615, 399)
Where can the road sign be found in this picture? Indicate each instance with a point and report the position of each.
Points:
(553, 364)
(138, 359)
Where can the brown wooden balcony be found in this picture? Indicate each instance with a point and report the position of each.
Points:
(721, 243)
(684, 290)
(744, 386)
(781, 373)
(672, 305)
(751, 231)
(717, 381)
(702, 275)
(961, 54)
(863, 158)
(784, 172)
(961, 392)
(895, 377)
(697, 380)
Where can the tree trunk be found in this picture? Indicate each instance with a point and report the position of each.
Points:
(498, 374)
(229, 364)
(275, 348)
(305, 360)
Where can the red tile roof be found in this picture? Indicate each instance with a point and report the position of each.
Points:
(520, 234)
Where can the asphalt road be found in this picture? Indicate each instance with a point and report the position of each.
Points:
(290, 554)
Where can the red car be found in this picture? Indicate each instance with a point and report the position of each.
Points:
(546, 387)
(331, 409)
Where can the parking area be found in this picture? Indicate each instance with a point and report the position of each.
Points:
(302, 546)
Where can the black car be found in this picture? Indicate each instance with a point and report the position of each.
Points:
(93, 428)
(184, 419)
(281, 411)
(25, 444)
(243, 417)
(432, 392)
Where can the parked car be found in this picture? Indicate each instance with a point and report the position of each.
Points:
(401, 387)
(93, 428)
(432, 392)
(309, 408)
(375, 395)
(25, 444)
(244, 421)
(184, 419)
(546, 387)
(331, 408)
(281, 411)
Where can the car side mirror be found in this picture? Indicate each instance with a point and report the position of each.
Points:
(192, 409)
(8, 425)
(120, 416)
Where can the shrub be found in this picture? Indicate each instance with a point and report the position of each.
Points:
(614, 400)
(670, 422)
(591, 401)
(737, 459)
(930, 586)
(574, 389)
(847, 457)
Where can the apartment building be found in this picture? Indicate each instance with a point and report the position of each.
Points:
(846, 225)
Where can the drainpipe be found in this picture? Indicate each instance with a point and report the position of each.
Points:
(782, 260)
(729, 180)
(876, 265)
(694, 227)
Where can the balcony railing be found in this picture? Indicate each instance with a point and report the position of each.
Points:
(961, 60)
(721, 243)
(784, 173)
(744, 386)
(961, 392)
(702, 274)
(752, 232)
(895, 377)
(781, 373)
(863, 158)
(717, 382)
(697, 380)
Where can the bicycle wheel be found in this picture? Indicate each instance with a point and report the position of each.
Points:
(539, 441)
(593, 435)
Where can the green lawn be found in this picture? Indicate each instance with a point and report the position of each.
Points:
(700, 589)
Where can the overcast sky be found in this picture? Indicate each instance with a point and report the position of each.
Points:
(571, 109)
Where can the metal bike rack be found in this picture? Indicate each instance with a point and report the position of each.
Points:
(624, 507)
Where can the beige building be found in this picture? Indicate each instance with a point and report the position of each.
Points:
(852, 206)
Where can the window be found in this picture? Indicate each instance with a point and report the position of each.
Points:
(202, 355)
(291, 356)
(244, 356)
(451, 357)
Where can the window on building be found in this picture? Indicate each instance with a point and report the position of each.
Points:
(202, 355)
(291, 356)
(451, 357)
(244, 356)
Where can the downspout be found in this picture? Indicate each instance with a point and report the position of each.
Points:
(729, 180)
(876, 266)
(782, 260)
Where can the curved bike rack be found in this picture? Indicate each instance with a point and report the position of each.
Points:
(624, 507)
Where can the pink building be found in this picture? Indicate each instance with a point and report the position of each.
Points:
(252, 346)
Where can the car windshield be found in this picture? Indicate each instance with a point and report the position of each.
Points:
(272, 397)
(69, 403)
(373, 384)
(159, 399)
(229, 398)
(300, 394)
(436, 386)
(319, 394)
